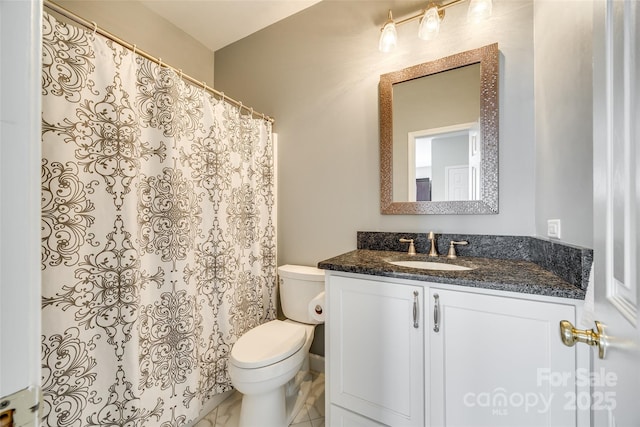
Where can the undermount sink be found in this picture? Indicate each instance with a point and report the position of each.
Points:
(427, 265)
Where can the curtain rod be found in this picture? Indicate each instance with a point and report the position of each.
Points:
(94, 27)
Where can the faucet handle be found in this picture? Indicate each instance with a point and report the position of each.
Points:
(412, 248)
(452, 249)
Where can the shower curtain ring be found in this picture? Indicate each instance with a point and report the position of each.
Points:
(134, 50)
(95, 28)
(160, 62)
(204, 86)
(222, 94)
(180, 73)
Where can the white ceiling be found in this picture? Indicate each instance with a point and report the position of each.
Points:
(218, 23)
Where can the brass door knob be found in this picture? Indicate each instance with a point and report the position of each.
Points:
(571, 335)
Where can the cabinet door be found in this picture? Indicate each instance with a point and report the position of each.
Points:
(376, 350)
(498, 361)
(343, 418)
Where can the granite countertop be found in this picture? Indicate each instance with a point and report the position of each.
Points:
(489, 273)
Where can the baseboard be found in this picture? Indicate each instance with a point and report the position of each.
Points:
(316, 363)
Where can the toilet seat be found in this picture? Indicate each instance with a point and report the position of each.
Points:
(267, 344)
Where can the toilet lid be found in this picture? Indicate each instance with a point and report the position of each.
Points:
(267, 344)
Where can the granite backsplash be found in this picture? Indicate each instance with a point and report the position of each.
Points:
(571, 263)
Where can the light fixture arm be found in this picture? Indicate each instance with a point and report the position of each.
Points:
(420, 14)
(453, 3)
(411, 18)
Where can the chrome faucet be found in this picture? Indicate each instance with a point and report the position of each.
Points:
(452, 248)
(433, 252)
(412, 248)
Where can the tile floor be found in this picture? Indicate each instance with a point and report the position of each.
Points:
(311, 415)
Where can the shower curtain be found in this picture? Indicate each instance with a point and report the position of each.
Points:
(158, 235)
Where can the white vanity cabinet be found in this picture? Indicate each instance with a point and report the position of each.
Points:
(476, 357)
(498, 361)
(376, 351)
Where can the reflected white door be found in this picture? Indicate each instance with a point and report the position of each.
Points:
(475, 159)
(457, 182)
(617, 210)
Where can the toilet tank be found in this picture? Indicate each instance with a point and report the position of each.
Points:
(298, 286)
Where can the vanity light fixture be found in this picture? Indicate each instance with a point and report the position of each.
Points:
(430, 23)
(479, 10)
(430, 19)
(389, 36)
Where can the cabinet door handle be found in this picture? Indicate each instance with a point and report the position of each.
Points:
(415, 309)
(436, 313)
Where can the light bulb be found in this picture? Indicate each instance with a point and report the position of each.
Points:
(429, 24)
(479, 10)
(389, 36)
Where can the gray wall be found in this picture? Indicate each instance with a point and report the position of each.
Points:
(317, 73)
(564, 137)
(136, 24)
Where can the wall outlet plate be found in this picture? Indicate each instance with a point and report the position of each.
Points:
(553, 228)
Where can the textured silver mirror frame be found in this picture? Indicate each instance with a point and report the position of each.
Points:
(488, 57)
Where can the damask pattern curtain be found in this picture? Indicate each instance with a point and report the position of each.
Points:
(158, 240)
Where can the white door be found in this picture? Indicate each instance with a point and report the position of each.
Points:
(617, 210)
(475, 158)
(20, 72)
(457, 182)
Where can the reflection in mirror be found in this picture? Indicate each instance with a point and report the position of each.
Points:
(443, 164)
(439, 136)
(427, 106)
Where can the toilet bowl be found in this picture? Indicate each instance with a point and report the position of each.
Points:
(268, 363)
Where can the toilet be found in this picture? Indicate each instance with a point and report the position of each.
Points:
(269, 364)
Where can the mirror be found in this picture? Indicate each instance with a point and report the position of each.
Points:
(439, 136)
